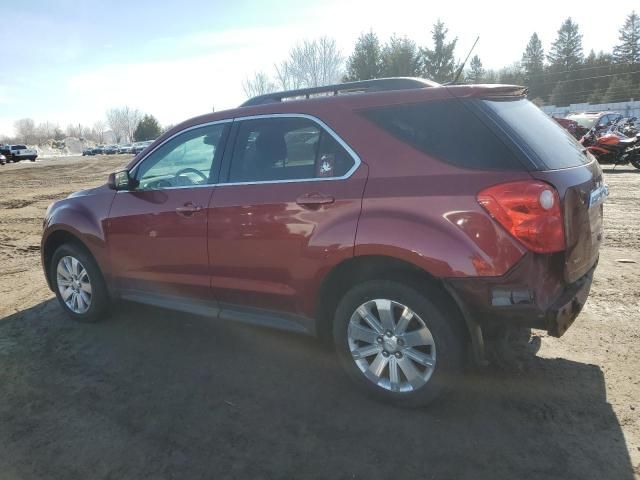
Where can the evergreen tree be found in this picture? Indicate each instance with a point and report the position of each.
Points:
(476, 72)
(533, 58)
(400, 58)
(628, 50)
(439, 64)
(366, 60)
(620, 90)
(533, 66)
(566, 51)
(148, 129)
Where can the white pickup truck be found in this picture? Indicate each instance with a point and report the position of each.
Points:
(15, 153)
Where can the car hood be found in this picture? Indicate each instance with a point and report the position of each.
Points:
(90, 191)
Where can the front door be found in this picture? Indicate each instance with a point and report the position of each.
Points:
(286, 208)
(157, 233)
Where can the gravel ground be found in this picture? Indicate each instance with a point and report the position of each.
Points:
(156, 394)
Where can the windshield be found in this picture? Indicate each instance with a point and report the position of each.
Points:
(544, 141)
(583, 121)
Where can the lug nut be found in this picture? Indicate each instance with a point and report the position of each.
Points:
(400, 342)
(389, 333)
(385, 353)
(398, 355)
(379, 340)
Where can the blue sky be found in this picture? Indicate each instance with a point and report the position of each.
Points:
(68, 61)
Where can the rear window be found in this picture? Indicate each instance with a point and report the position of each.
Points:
(545, 142)
(448, 131)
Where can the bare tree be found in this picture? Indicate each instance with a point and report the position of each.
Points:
(123, 122)
(44, 131)
(258, 85)
(312, 63)
(98, 131)
(25, 130)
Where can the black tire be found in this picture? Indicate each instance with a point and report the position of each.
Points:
(441, 321)
(635, 161)
(99, 303)
(33, 159)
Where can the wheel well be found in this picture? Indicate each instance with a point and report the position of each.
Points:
(55, 240)
(360, 269)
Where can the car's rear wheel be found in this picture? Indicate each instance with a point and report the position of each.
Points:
(396, 343)
(78, 283)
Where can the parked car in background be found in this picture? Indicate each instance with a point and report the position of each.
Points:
(98, 150)
(140, 146)
(126, 148)
(111, 149)
(373, 220)
(573, 127)
(16, 153)
(599, 120)
(88, 151)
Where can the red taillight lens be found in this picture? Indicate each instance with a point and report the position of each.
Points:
(528, 210)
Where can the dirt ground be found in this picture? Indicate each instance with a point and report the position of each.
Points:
(156, 394)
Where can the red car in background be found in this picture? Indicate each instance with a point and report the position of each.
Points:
(573, 127)
(358, 212)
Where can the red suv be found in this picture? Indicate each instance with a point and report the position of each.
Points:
(398, 217)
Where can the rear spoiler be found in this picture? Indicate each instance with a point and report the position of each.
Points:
(488, 91)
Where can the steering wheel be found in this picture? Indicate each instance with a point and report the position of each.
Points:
(182, 171)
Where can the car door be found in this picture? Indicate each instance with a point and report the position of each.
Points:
(157, 233)
(285, 211)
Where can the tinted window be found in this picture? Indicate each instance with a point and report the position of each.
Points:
(274, 149)
(545, 142)
(448, 131)
(187, 159)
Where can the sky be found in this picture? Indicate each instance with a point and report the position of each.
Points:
(68, 61)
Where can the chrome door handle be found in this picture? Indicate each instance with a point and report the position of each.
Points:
(314, 200)
(188, 209)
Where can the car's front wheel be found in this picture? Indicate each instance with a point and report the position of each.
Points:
(396, 343)
(78, 283)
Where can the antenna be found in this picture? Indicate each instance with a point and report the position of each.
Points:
(455, 80)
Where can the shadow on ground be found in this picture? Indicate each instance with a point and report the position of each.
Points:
(155, 394)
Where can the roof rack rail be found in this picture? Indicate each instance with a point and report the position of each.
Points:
(377, 85)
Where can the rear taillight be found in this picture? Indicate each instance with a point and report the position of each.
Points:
(528, 210)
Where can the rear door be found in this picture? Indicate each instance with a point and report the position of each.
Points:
(285, 211)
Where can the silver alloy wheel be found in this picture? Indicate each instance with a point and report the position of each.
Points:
(391, 345)
(74, 284)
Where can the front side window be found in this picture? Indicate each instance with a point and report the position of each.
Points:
(189, 159)
(276, 149)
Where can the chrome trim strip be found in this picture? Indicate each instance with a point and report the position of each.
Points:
(329, 130)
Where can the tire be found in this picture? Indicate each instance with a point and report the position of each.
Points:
(635, 161)
(441, 344)
(63, 268)
(33, 159)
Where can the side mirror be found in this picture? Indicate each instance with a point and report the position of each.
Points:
(121, 181)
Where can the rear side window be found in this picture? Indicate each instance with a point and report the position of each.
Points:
(545, 142)
(448, 131)
(276, 149)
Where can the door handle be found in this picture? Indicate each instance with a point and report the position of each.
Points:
(188, 209)
(314, 200)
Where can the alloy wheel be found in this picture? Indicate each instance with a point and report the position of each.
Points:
(74, 284)
(391, 345)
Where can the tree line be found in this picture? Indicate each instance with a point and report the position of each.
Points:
(561, 75)
(125, 124)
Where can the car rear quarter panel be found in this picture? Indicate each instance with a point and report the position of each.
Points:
(424, 211)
